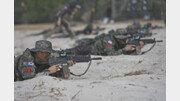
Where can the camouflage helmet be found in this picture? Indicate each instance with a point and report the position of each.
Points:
(121, 31)
(130, 29)
(43, 46)
(121, 36)
(136, 22)
(148, 25)
(111, 32)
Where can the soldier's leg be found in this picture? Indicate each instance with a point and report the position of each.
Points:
(66, 26)
(79, 32)
(79, 50)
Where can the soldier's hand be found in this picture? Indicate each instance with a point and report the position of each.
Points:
(129, 47)
(75, 11)
(70, 63)
(93, 32)
(141, 43)
(59, 21)
(54, 68)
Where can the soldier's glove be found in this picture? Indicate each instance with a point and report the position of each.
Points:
(65, 70)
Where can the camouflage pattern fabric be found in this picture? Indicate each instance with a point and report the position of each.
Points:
(58, 28)
(43, 46)
(66, 10)
(24, 66)
(101, 45)
(104, 46)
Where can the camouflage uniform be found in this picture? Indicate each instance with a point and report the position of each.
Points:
(107, 45)
(25, 66)
(102, 45)
(87, 30)
(67, 9)
(136, 28)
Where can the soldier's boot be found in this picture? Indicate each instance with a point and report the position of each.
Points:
(72, 35)
(66, 72)
(66, 26)
(70, 32)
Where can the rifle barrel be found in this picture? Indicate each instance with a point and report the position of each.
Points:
(99, 58)
(159, 40)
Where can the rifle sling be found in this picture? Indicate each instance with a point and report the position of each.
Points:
(149, 49)
(84, 71)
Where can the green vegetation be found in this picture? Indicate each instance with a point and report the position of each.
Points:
(43, 11)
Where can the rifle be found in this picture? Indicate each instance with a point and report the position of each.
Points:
(149, 25)
(64, 57)
(141, 35)
(157, 27)
(146, 41)
(75, 58)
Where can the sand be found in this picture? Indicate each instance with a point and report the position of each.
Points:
(115, 78)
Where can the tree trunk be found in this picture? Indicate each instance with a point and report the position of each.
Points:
(113, 8)
(123, 6)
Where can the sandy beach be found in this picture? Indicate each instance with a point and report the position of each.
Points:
(114, 78)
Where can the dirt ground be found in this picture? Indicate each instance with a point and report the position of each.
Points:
(115, 78)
